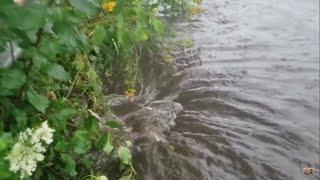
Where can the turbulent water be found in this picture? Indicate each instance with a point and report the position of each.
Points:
(242, 103)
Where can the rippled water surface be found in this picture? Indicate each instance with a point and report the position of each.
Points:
(242, 103)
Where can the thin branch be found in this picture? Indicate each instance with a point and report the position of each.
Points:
(39, 37)
(11, 51)
(73, 83)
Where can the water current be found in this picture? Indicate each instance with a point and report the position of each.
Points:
(241, 103)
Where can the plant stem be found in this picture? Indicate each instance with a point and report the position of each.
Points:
(11, 52)
(73, 83)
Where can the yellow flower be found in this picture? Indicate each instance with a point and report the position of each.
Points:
(198, 1)
(168, 59)
(130, 93)
(195, 10)
(187, 43)
(109, 6)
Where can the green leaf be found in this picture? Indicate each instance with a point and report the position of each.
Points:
(57, 72)
(66, 113)
(108, 147)
(64, 28)
(50, 48)
(26, 18)
(84, 6)
(158, 25)
(81, 141)
(114, 124)
(39, 61)
(5, 2)
(5, 140)
(5, 102)
(11, 79)
(99, 35)
(62, 146)
(38, 173)
(101, 178)
(5, 173)
(124, 155)
(141, 34)
(40, 102)
(21, 118)
(70, 164)
(87, 162)
(59, 120)
(91, 125)
(52, 177)
(84, 41)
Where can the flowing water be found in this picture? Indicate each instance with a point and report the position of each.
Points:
(241, 103)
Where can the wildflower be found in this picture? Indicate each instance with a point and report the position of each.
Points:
(195, 10)
(168, 59)
(187, 43)
(29, 149)
(130, 93)
(109, 6)
(198, 1)
(44, 133)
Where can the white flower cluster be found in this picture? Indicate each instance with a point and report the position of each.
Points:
(29, 149)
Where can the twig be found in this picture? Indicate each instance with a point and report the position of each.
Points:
(55, 171)
(73, 83)
(39, 37)
(132, 168)
(11, 52)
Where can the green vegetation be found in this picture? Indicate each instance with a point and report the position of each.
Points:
(52, 98)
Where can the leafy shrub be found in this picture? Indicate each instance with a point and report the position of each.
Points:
(69, 46)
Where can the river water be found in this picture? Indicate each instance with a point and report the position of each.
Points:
(241, 103)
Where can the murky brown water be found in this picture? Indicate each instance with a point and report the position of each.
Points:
(242, 103)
